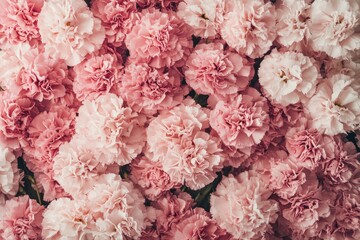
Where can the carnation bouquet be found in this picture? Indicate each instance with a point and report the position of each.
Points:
(179, 119)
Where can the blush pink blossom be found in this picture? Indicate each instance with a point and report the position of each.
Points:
(335, 107)
(249, 27)
(49, 186)
(241, 206)
(203, 16)
(111, 128)
(76, 167)
(117, 17)
(151, 177)
(96, 75)
(159, 39)
(242, 123)
(291, 21)
(335, 27)
(9, 173)
(149, 90)
(69, 28)
(20, 218)
(117, 207)
(19, 22)
(211, 70)
(288, 77)
(347, 212)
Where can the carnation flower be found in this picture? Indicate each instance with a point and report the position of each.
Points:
(19, 20)
(288, 77)
(151, 177)
(241, 205)
(111, 128)
(117, 17)
(69, 28)
(148, 90)
(77, 166)
(203, 16)
(167, 4)
(48, 185)
(211, 70)
(194, 161)
(15, 117)
(118, 208)
(243, 122)
(347, 211)
(198, 226)
(291, 21)
(9, 172)
(159, 39)
(249, 27)
(334, 27)
(66, 219)
(335, 107)
(96, 75)
(20, 218)
(167, 129)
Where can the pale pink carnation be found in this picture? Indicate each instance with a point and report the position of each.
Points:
(203, 16)
(291, 21)
(288, 77)
(15, 117)
(243, 122)
(49, 186)
(9, 172)
(77, 166)
(347, 212)
(167, 129)
(151, 177)
(194, 161)
(117, 17)
(20, 218)
(198, 226)
(249, 27)
(241, 206)
(111, 128)
(335, 27)
(97, 75)
(69, 28)
(18, 22)
(117, 207)
(159, 39)
(66, 219)
(211, 70)
(335, 107)
(149, 90)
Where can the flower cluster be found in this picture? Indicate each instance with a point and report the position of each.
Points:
(180, 119)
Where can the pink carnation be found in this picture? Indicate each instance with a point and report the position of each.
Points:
(159, 39)
(117, 17)
(69, 28)
(198, 226)
(76, 167)
(20, 218)
(249, 27)
(212, 70)
(66, 219)
(347, 212)
(167, 129)
(117, 207)
(203, 16)
(111, 128)
(148, 90)
(49, 186)
(241, 205)
(15, 117)
(9, 173)
(243, 122)
(335, 107)
(97, 75)
(291, 21)
(288, 77)
(19, 20)
(334, 27)
(151, 177)
(166, 4)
